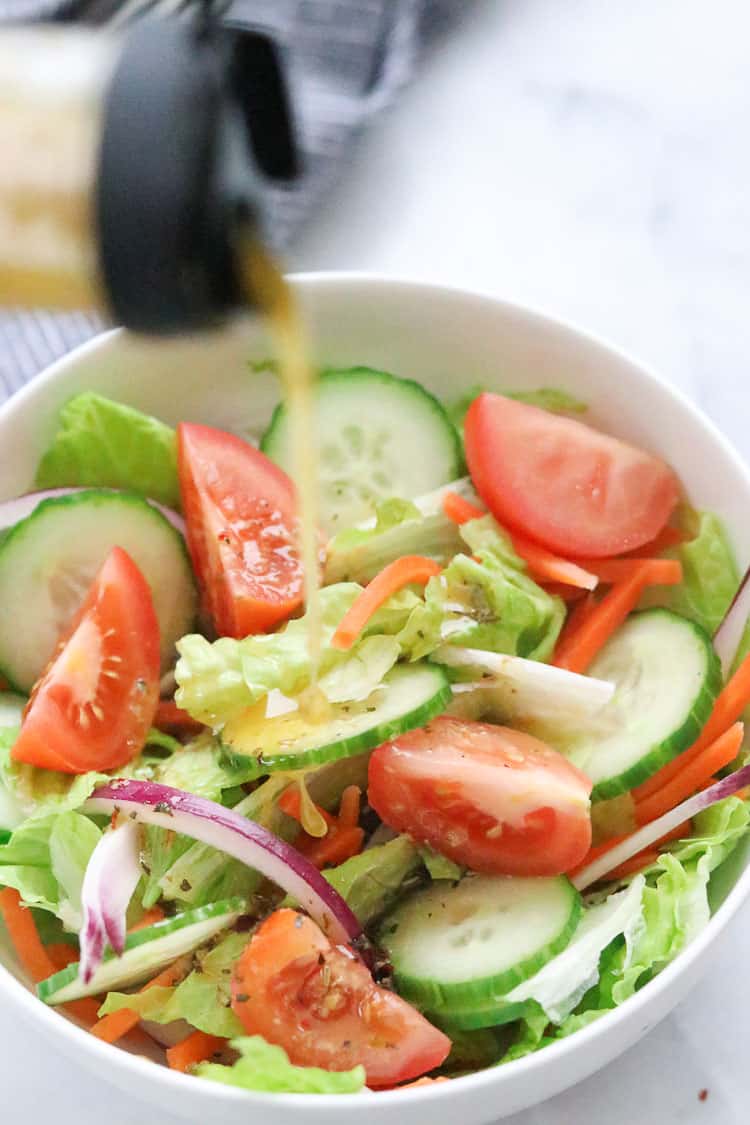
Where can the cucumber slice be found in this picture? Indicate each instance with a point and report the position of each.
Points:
(461, 944)
(11, 708)
(560, 984)
(666, 677)
(411, 695)
(49, 560)
(146, 951)
(380, 436)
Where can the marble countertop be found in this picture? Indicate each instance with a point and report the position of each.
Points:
(589, 159)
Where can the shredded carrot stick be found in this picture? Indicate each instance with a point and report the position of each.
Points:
(578, 647)
(598, 850)
(195, 1049)
(459, 510)
(711, 759)
(19, 923)
(635, 864)
(659, 572)
(728, 706)
(174, 720)
(154, 914)
(667, 537)
(37, 962)
(543, 564)
(569, 594)
(339, 844)
(423, 1081)
(290, 802)
(349, 807)
(117, 1024)
(402, 572)
(61, 955)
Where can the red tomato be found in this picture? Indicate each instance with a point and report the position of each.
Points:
(319, 1003)
(490, 798)
(577, 491)
(241, 527)
(94, 704)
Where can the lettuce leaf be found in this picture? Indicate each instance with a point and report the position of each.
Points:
(40, 793)
(710, 576)
(485, 601)
(675, 909)
(203, 998)
(197, 874)
(45, 861)
(371, 881)
(262, 1066)
(105, 444)
(400, 527)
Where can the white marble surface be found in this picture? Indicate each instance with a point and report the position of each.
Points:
(589, 158)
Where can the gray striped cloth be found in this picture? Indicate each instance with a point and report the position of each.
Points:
(347, 59)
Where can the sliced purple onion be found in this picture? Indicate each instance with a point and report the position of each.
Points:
(233, 834)
(654, 831)
(729, 634)
(111, 877)
(11, 511)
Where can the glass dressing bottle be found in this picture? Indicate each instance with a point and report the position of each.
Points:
(133, 165)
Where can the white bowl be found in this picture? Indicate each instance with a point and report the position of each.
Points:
(449, 340)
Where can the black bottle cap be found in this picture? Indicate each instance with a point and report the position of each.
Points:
(193, 118)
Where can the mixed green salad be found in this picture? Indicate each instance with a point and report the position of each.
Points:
(476, 813)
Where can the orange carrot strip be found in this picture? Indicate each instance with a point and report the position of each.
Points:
(569, 594)
(577, 648)
(195, 1049)
(634, 864)
(61, 955)
(338, 845)
(545, 565)
(35, 959)
(117, 1024)
(660, 572)
(402, 572)
(290, 802)
(667, 537)
(711, 759)
(174, 720)
(728, 706)
(601, 849)
(349, 807)
(459, 510)
(19, 923)
(154, 914)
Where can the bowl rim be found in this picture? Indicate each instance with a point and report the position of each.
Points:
(493, 1076)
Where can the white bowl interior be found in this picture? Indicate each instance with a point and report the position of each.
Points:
(449, 340)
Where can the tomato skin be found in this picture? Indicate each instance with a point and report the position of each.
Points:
(578, 492)
(491, 799)
(94, 704)
(241, 530)
(319, 1002)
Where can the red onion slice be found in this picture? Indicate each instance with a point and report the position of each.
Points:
(111, 877)
(729, 634)
(231, 833)
(11, 511)
(654, 831)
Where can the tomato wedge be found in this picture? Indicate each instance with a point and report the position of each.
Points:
(241, 527)
(490, 798)
(319, 1002)
(95, 702)
(577, 491)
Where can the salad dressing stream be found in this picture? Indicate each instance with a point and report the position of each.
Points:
(264, 282)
